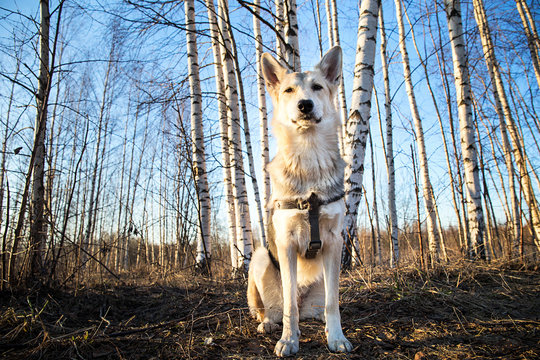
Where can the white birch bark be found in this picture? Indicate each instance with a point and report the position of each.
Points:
(532, 36)
(394, 246)
(468, 139)
(439, 118)
(515, 203)
(292, 48)
(247, 135)
(341, 90)
(243, 225)
(197, 142)
(333, 22)
(500, 98)
(376, 251)
(224, 137)
(318, 24)
(263, 117)
(456, 196)
(329, 24)
(429, 201)
(358, 121)
(280, 46)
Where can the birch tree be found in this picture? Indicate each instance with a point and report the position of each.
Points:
(358, 121)
(280, 34)
(389, 150)
(247, 134)
(501, 101)
(329, 23)
(243, 225)
(429, 201)
(263, 117)
(224, 137)
(37, 231)
(533, 41)
(292, 48)
(456, 184)
(197, 142)
(333, 31)
(468, 139)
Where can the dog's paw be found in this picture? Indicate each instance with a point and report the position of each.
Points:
(339, 344)
(286, 347)
(267, 327)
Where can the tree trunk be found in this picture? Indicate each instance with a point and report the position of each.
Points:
(263, 118)
(37, 229)
(243, 225)
(532, 36)
(318, 25)
(457, 196)
(429, 201)
(331, 43)
(197, 141)
(333, 31)
(247, 136)
(439, 118)
(468, 139)
(418, 223)
(292, 48)
(376, 248)
(224, 137)
(389, 151)
(358, 122)
(280, 34)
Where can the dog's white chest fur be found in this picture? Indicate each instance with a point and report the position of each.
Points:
(292, 226)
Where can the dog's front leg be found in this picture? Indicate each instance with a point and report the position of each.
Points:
(288, 344)
(331, 261)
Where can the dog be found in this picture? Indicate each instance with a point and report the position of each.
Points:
(297, 276)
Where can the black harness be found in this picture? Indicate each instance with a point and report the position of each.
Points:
(312, 205)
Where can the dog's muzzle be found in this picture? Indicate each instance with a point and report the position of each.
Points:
(306, 117)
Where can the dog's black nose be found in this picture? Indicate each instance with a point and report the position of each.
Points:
(305, 106)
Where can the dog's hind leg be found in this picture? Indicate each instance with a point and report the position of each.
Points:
(312, 303)
(255, 304)
(264, 279)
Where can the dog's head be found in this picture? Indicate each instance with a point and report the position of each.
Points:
(305, 100)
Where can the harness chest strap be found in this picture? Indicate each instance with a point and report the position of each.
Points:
(312, 204)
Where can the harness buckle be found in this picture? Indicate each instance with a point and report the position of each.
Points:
(313, 249)
(304, 204)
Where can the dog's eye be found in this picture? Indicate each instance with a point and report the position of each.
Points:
(289, 90)
(316, 87)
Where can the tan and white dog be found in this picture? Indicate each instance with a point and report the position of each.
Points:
(297, 278)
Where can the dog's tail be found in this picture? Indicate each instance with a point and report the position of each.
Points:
(256, 306)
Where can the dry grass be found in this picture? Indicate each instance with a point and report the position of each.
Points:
(470, 311)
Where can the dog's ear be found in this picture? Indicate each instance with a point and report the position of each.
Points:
(272, 71)
(330, 65)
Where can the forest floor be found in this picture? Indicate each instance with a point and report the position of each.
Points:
(466, 312)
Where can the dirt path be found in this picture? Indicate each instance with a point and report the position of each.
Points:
(470, 313)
